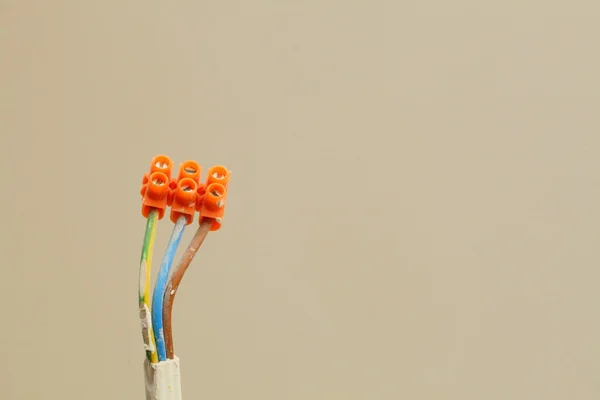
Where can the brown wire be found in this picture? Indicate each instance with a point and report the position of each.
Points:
(176, 278)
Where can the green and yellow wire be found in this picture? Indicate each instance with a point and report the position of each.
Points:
(144, 289)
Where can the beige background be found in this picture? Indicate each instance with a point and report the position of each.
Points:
(413, 213)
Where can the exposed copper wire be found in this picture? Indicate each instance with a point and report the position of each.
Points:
(175, 280)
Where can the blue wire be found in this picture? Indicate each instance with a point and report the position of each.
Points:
(161, 286)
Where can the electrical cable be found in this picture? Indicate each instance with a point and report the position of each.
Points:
(185, 196)
(161, 284)
(144, 287)
(175, 280)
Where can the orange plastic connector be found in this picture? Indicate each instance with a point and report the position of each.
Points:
(184, 200)
(161, 164)
(155, 186)
(216, 175)
(155, 192)
(185, 195)
(213, 204)
(190, 169)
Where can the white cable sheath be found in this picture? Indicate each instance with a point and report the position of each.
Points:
(163, 380)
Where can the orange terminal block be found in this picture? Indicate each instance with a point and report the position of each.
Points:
(185, 196)
(161, 164)
(155, 186)
(216, 175)
(213, 204)
(190, 169)
(184, 200)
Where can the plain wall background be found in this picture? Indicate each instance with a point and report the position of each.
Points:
(413, 213)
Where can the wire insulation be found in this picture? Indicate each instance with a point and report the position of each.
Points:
(144, 286)
(175, 280)
(161, 284)
(163, 380)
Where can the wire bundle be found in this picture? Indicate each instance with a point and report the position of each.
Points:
(186, 196)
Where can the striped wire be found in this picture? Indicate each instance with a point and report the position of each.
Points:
(161, 285)
(144, 286)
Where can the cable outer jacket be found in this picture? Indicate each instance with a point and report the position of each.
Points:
(163, 380)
